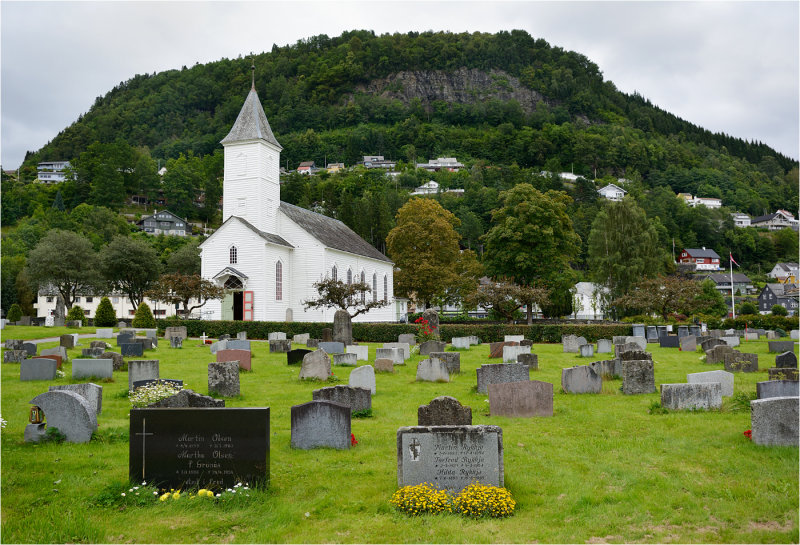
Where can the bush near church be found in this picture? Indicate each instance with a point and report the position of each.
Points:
(76, 313)
(778, 310)
(144, 317)
(105, 315)
(14, 313)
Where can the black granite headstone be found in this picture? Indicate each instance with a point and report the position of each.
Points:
(124, 338)
(199, 447)
(296, 355)
(131, 349)
(786, 360)
(669, 341)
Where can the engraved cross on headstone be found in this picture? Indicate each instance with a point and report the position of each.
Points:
(144, 435)
(414, 448)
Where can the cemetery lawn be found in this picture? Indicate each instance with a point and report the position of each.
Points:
(602, 469)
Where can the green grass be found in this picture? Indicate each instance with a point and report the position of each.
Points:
(601, 469)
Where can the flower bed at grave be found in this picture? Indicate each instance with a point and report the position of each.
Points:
(156, 391)
(476, 501)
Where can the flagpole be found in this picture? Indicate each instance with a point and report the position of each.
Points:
(733, 303)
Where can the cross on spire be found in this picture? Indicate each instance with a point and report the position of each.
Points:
(253, 69)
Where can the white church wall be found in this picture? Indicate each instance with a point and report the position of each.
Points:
(251, 184)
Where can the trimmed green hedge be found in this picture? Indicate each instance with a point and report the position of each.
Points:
(760, 321)
(388, 332)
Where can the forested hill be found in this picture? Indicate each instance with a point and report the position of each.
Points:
(503, 98)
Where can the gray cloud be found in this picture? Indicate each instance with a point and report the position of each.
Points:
(727, 66)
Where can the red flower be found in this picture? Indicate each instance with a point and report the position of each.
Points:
(353, 441)
(749, 434)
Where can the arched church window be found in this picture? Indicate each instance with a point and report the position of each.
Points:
(333, 273)
(349, 276)
(233, 255)
(278, 281)
(385, 288)
(363, 293)
(374, 286)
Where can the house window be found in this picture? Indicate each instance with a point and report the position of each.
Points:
(77, 299)
(233, 283)
(374, 286)
(132, 312)
(90, 299)
(160, 312)
(86, 312)
(49, 299)
(278, 281)
(115, 300)
(333, 273)
(233, 255)
(363, 293)
(385, 288)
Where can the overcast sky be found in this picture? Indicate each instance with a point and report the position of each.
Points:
(727, 66)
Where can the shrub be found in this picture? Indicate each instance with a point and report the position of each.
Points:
(480, 500)
(421, 499)
(143, 317)
(76, 313)
(778, 310)
(747, 308)
(14, 313)
(105, 315)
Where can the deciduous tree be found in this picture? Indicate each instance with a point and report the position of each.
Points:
(180, 289)
(662, 295)
(505, 298)
(131, 266)
(353, 298)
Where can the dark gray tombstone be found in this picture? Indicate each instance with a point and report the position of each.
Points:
(774, 421)
(130, 350)
(67, 341)
(781, 346)
(186, 398)
(176, 342)
(295, 356)
(223, 378)
(787, 360)
(30, 348)
(427, 347)
(232, 443)
(117, 361)
(92, 352)
(521, 399)
(695, 330)
(124, 338)
(14, 356)
(739, 362)
(450, 457)
(639, 330)
(320, 424)
(451, 360)
(432, 318)
(500, 372)
(331, 347)
(652, 334)
(777, 388)
(279, 345)
(92, 368)
(669, 341)
(37, 369)
(531, 361)
(141, 370)
(358, 399)
(638, 377)
(683, 331)
(444, 411)
(700, 395)
(92, 393)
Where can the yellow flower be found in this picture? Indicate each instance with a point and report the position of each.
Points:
(176, 495)
(164, 496)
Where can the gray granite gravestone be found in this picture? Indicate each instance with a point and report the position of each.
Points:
(361, 351)
(635, 355)
(777, 388)
(751, 336)
(731, 341)
(638, 377)
(219, 345)
(450, 457)
(688, 343)
(223, 378)
(394, 354)
(276, 336)
(604, 346)
(187, 399)
(607, 368)
(384, 365)
(531, 361)
(238, 344)
(700, 395)
(316, 365)
(652, 334)
(225, 337)
(431, 346)
(357, 398)
(131, 349)
(69, 412)
(405, 348)
(332, 347)
(30, 348)
(581, 379)
(327, 335)
(14, 356)
(67, 341)
(37, 369)
(587, 350)
(320, 424)
(451, 360)
(781, 346)
(141, 370)
(639, 330)
(444, 411)
(57, 351)
(301, 338)
(92, 368)
(717, 354)
(432, 317)
(669, 341)
(521, 399)
(275, 346)
(787, 359)
(242, 335)
(342, 327)
(92, 393)
(345, 359)
(724, 378)
(124, 338)
(500, 372)
(14, 344)
(117, 361)
(176, 331)
(92, 352)
(683, 331)
(572, 343)
(176, 342)
(409, 338)
(460, 342)
(774, 421)
(432, 370)
(312, 343)
(739, 362)
(510, 353)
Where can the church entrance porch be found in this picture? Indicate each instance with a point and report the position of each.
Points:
(238, 302)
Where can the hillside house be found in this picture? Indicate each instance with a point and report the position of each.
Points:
(165, 223)
(722, 281)
(52, 172)
(335, 167)
(702, 258)
(377, 161)
(450, 164)
(708, 202)
(785, 273)
(612, 192)
(307, 168)
(740, 220)
(785, 295)
(776, 221)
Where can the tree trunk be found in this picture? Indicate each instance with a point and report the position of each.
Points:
(530, 312)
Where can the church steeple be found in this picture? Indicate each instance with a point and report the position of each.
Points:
(252, 122)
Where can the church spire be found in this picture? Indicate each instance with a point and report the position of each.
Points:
(251, 124)
(253, 69)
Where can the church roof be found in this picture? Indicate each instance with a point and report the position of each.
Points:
(331, 232)
(269, 237)
(251, 124)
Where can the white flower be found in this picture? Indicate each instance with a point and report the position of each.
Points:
(123, 493)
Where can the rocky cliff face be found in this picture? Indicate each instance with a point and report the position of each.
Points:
(463, 86)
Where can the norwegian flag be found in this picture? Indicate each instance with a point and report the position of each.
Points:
(730, 255)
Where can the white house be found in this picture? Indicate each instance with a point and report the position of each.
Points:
(776, 221)
(46, 300)
(270, 253)
(612, 192)
(740, 219)
(587, 302)
(784, 271)
(52, 172)
(446, 163)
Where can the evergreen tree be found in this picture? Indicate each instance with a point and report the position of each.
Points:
(143, 317)
(58, 202)
(14, 313)
(105, 315)
(76, 313)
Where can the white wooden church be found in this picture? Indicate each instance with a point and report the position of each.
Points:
(269, 253)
